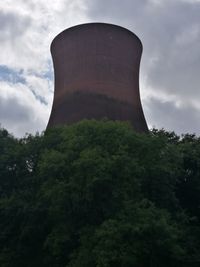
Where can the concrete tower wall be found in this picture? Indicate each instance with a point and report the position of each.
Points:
(97, 75)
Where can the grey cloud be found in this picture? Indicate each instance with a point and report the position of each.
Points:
(165, 114)
(12, 25)
(18, 117)
(115, 9)
(39, 97)
(48, 73)
(11, 75)
(12, 111)
(177, 52)
(170, 32)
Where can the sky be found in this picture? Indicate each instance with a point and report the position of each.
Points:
(170, 65)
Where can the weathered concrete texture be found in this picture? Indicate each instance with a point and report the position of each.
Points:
(97, 75)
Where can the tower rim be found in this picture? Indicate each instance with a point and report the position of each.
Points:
(93, 24)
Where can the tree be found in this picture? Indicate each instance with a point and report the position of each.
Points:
(98, 194)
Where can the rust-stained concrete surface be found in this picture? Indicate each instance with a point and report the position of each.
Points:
(97, 75)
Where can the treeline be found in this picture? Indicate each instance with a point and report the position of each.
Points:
(98, 194)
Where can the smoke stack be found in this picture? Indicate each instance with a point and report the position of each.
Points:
(97, 75)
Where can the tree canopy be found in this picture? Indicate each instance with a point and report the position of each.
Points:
(96, 193)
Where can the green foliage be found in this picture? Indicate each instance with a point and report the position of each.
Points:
(140, 235)
(98, 194)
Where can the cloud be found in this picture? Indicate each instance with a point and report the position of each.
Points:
(10, 75)
(26, 71)
(173, 116)
(170, 33)
(12, 25)
(20, 111)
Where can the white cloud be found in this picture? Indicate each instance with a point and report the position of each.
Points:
(169, 30)
(27, 29)
(20, 112)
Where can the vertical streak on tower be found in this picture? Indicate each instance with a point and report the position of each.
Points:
(97, 75)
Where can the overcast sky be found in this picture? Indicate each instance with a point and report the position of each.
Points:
(170, 67)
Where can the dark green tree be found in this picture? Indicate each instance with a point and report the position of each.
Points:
(98, 194)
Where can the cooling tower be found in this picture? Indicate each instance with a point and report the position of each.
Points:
(97, 75)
